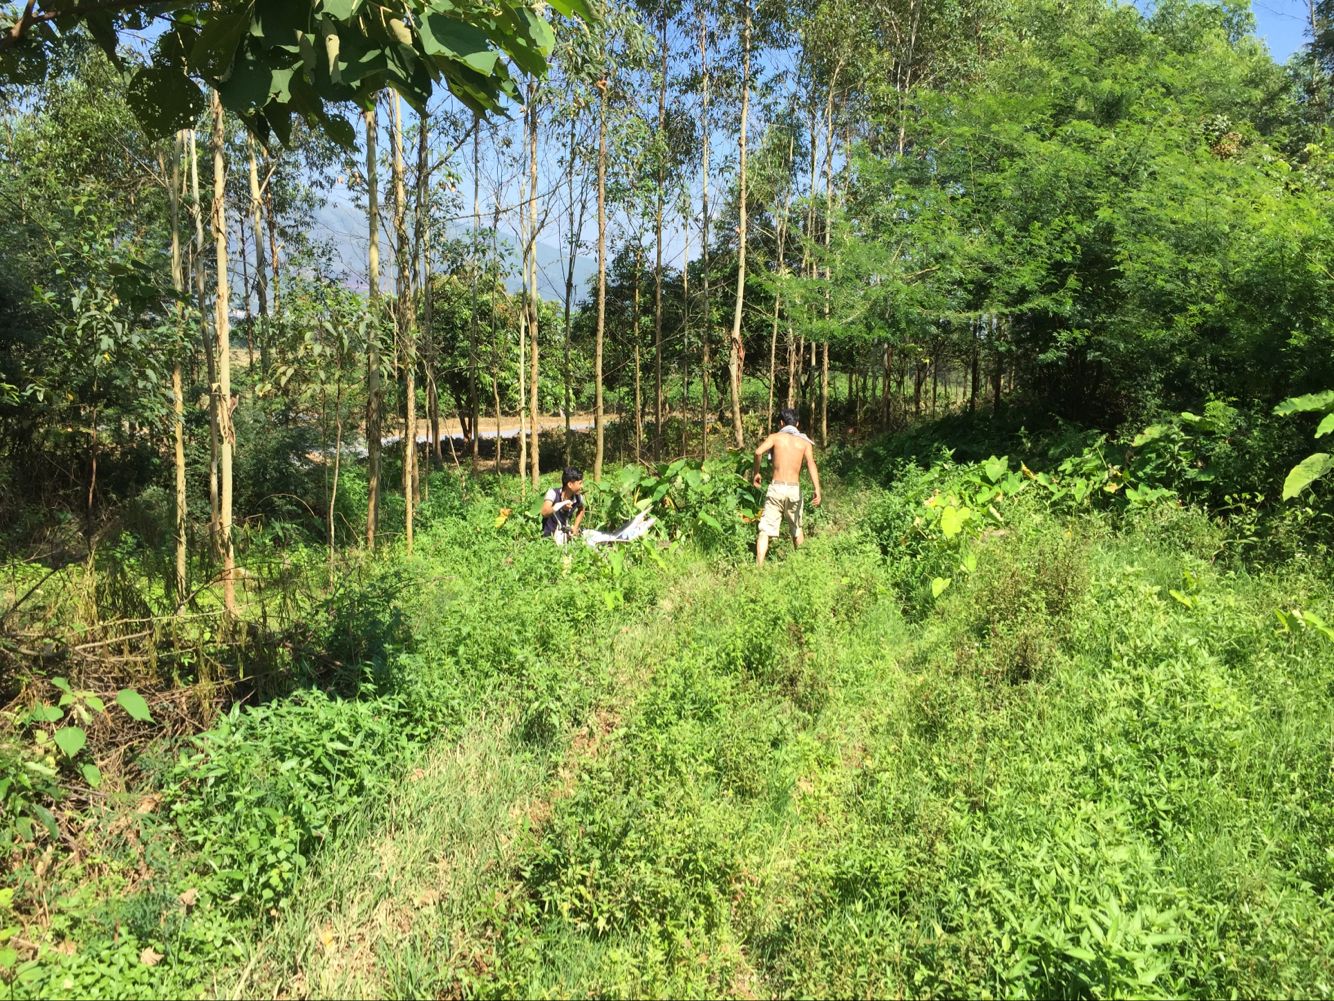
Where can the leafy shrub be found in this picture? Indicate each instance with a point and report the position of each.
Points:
(257, 794)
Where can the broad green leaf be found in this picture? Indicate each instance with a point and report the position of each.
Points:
(448, 37)
(62, 684)
(47, 819)
(91, 774)
(1325, 427)
(938, 586)
(133, 703)
(952, 520)
(94, 703)
(340, 10)
(71, 740)
(103, 29)
(575, 8)
(45, 714)
(164, 100)
(995, 468)
(1315, 622)
(215, 49)
(249, 84)
(1302, 404)
(1151, 433)
(1307, 472)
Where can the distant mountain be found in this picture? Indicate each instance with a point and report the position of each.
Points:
(343, 226)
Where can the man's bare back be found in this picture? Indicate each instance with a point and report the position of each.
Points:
(789, 450)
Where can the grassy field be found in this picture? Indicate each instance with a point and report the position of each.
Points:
(1051, 750)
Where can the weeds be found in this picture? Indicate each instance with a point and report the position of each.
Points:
(1094, 762)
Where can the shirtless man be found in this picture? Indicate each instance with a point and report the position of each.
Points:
(783, 501)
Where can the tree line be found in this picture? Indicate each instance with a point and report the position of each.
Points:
(871, 211)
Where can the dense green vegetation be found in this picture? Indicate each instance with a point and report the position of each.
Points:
(1043, 707)
(1097, 762)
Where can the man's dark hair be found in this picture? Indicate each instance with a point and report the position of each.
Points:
(569, 475)
(787, 416)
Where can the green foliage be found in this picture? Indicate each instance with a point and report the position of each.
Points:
(257, 793)
(42, 752)
(269, 64)
(1317, 464)
(710, 502)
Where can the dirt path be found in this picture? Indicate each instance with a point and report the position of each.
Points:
(401, 909)
(509, 426)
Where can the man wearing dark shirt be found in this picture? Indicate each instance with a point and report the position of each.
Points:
(563, 507)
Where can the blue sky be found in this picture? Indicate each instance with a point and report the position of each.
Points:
(1281, 24)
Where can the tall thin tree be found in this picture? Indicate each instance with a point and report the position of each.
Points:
(261, 267)
(222, 330)
(405, 318)
(174, 193)
(737, 349)
(598, 417)
(530, 273)
(373, 390)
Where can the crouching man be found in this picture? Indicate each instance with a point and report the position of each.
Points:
(563, 507)
(782, 504)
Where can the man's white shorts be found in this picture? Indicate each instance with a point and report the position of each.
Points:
(782, 504)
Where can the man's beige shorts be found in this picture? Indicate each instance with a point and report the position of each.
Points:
(782, 503)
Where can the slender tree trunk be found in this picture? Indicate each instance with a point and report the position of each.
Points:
(975, 368)
(705, 372)
(778, 295)
(421, 245)
(793, 355)
(773, 357)
(275, 289)
(685, 335)
(222, 329)
(598, 419)
(531, 303)
(337, 463)
(261, 268)
(828, 222)
(177, 389)
(210, 361)
(998, 366)
(496, 292)
(373, 391)
(406, 320)
(474, 405)
(523, 346)
(662, 197)
(639, 399)
(887, 403)
(245, 295)
(935, 381)
(576, 226)
(824, 393)
(736, 358)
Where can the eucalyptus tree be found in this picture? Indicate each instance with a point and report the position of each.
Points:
(574, 96)
(624, 49)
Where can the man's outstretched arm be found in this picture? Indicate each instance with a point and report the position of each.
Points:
(815, 475)
(764, 446)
